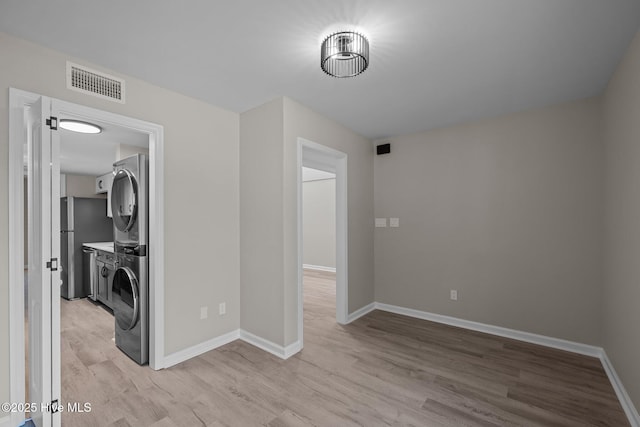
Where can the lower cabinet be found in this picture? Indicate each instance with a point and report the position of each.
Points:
(105, 263)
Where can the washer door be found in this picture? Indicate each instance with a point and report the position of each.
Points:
(125, 298)
(124, 200)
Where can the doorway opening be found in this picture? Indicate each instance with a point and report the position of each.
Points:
(76, 163)
(327, 163)
(319, 248)
(318, 220)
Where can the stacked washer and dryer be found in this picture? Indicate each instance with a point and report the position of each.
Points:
(130, 285)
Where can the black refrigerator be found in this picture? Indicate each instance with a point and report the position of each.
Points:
(82, 220)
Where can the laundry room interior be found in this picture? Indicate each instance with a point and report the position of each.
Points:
(95, 253)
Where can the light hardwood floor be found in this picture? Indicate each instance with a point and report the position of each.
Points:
(383, 369)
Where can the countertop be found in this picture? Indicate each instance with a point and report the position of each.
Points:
(101, 246)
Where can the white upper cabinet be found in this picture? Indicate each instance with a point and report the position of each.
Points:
(103, 183)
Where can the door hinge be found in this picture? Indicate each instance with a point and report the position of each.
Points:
(52, 122)
(54, 406)
(53, 264)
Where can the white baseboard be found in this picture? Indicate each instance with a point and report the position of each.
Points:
(318, 268)
(198, 349)
(288, 351)
(361, 312)
(629, 409)
(587, 350)
(574, 347)
(292, 349)
(270, 347)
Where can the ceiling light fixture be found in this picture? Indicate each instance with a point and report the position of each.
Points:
(79, 126)
(344, 54)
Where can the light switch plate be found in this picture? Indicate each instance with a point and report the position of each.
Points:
(381, 222)
(394, 222)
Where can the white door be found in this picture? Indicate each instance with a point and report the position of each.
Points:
(44, 256)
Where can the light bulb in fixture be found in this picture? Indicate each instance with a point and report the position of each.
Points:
(79, 126)
(344, 54)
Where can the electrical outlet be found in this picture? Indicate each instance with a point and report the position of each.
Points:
(204, 312)
(222, 308)
(454, 295)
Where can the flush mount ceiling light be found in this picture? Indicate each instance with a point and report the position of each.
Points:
(79, 126)
(344, 54)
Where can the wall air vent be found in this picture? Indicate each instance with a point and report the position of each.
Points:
(96, 83)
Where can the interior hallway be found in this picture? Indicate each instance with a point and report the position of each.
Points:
(383, 369)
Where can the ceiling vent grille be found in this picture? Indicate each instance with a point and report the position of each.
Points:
(91, 82)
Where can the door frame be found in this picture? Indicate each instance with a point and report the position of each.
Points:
(317, 156)
(19, 100)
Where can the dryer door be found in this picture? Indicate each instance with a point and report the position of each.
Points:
(124, 200)
(126, 304)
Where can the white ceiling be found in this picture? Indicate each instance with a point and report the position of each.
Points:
(433, 62)
(309, 174)
(84, 154)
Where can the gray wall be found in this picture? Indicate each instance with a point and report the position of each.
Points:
(201, 157)
(300, 121)
(319, 223)
(124, 150)
(507, 211)
(268, 211)
(80, 186)
(261, 226)
(73, 185)
(622, 227)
